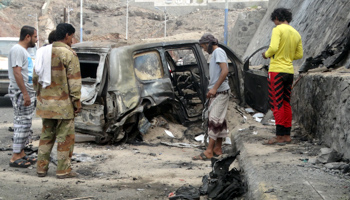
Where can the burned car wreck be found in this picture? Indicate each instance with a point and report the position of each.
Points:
(124, 86)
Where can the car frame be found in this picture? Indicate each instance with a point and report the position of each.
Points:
(124, 86)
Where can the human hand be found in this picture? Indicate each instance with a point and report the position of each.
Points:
(26, 99)
(211, 93)
(263, 55)
(77, 110)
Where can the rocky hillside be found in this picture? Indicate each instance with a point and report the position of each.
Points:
(106, 19)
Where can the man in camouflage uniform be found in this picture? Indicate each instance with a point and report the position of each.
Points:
(58, 104)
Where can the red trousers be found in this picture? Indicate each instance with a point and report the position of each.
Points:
(280, 86)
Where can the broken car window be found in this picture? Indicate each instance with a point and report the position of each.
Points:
(148, 66)
(182, 56)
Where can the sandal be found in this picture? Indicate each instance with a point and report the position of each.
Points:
(20, 163)
(41, 174)
(29, 159)
(71, 174)
(200, 157)
(273, 141)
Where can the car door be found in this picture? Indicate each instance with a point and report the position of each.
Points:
(152, 75)
(256, 85)
(188, 74)
(235, 73)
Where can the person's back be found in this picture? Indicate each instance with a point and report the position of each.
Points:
(286, 50)
(58, 104)
(285, 46)
(62, 56)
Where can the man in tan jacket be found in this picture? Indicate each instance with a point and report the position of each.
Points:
(58, 103)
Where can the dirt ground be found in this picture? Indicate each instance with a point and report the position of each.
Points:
(150, 170)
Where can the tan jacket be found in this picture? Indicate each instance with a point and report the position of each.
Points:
(62, 96)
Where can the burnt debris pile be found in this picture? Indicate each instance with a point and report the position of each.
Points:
(220, 184)
(332, 55)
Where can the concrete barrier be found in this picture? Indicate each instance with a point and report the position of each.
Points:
(321, 106)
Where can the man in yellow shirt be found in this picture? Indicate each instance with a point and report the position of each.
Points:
(285, 47)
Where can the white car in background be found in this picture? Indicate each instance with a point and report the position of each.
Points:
(6, 43)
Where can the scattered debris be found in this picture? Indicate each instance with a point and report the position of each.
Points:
(267, 117)
(185, 192)
(222, 184)
(227, 140)
(5, 149)
(181, 145)
(81, 198)
(200, 138)
(328, 155)
(169, 133)
(336, 165)
(332, 55)
(81, 157)
(249, 110)
(159, 122)
(258, 115)
(270, 190)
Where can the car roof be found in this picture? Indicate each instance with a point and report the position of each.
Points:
(105, 46)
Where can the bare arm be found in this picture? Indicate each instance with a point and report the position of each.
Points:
(222, 77)
(19, 80)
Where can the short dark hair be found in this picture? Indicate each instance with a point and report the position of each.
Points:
(282, 14)
(62, 29)
(52, 37)
(26, 30)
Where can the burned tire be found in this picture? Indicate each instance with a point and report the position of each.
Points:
(100, 139)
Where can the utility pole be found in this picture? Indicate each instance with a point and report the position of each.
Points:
(165, 21)
(81, 20)
(64, 15)
(37, 26)
(127, 19)
(225, 25)
(69, 9)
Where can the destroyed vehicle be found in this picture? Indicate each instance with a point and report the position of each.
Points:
(125, 86)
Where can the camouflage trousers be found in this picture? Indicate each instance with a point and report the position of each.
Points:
(62, 131)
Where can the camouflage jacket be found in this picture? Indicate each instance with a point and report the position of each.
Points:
(62, 97)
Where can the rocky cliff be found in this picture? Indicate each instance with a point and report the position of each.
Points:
(106, 19)
(320, 23)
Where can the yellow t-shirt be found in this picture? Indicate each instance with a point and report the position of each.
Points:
(285, 47)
